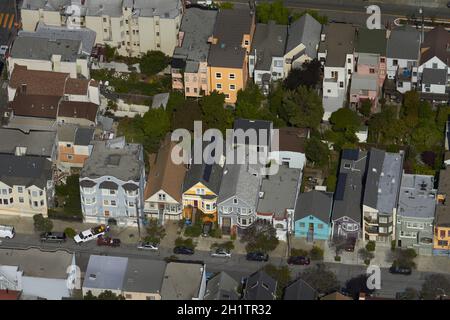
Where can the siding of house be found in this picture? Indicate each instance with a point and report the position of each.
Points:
(303, 226)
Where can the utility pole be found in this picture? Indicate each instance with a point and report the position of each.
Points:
(423, 25)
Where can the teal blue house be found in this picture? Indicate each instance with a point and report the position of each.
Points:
(312, 215)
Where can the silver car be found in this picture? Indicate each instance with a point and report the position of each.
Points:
(148, 246)
(221, 253)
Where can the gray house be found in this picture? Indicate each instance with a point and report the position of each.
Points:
(300, 290)
(266, 55)
(221, 287)
(415, 216)
(346, 214)
(238, 197)
(260, 286)
(112, 183)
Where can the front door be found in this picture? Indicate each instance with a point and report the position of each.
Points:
(195, 203)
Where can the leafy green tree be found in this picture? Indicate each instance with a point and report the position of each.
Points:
(357, 285)
(308, 75)
(153, 62)
(215, 115)
(266, 11)
(248, 104)
(409, 294)
(365, 255)
(42, 224)
(302, 108)
(366, 108)
(282, 274)
(435, 286)
(155, 231)
(317, 151)
(345, 120)
(316, 253)
(260, 236)
(188, 243)
(410, 108)
(370, 246)
(70, 192)
(321, 278)
(70, 233)
(105, 295)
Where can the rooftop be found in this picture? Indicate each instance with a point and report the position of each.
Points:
(221, 287)
(339, 41)
(208, 174)
(300, 290)
(434, 76)
(25, 170)
(443, 207)
(383, 180)
(363, 82)
(144, 275)
(269, 41)
(260, 286)
(105, 272)
(293, 139)
(316, 203)
(114, 158)
(371, 41)
(417, 196)
(403, 43)
(36, 143)
(279, 191)
(78, 109)
(306, 30)
(436, 44)
(182, 281)
(77, 135)
(35, 106)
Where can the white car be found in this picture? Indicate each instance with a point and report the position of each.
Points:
(91, 234)
(7, 232)
(147, 246)
(3, 50)
(221, 253)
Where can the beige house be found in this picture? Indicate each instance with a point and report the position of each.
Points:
(133, 27)
(26, 185)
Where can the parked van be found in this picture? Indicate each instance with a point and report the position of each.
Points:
(7, 232)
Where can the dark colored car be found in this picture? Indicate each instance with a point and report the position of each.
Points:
(257, 256)
(109, 242)
(349, 246)
(53, 237)
(299, 260)
(206, 229)
(400, 270)
(183, 250)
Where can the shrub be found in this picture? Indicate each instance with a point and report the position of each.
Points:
(70, 233)
(233, 236)
(299, 252)
(216, 233)
(193, 231)
(367, 262)
(316, 253)
(370, 246)
(42, 224)
(337, 258)
(393, 245)
(189, 243)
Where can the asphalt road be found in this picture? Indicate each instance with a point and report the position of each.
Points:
(237, 266)
(354, 11)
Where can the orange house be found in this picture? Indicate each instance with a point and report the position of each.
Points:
(441, 241)
(74, 146)
(228, 55)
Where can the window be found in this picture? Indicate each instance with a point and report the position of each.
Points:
(246, 42)
(4, 191)
(231, 76)
(131, 204)
(35, 203)
(372, 70)
(302, 224)
(400, 84)
(278, 63)
(70, 157)
(435, 65)
(349, 60)
(395, 62)
(383, 220)
(347, 166)
(232, 87)
(227, 96)
(34, 193)
(320, 226)
(218, 75)
(442, 243)
(208, 207)
(219, 86)
(113, 202)
(104, 19)
(200, 191)
(105, 30)
(21, 200)
(20, 189)
(329, 91)
(42, 203)
(442, 233)
(157, 34)
(349, 71)
(382, 60)
(341, 84)
(41, 193)
(251, 61)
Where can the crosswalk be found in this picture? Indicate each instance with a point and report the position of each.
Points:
(6, 20)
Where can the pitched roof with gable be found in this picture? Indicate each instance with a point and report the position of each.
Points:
(210, 175)
(316, 203)
(35, 106)
(77, 109)
(221, 287)
(260, 286)
(164, 174)
(436, 44)
(403, 43)
(25, 170)
(300, 290)
(305, 30)
(268, 42)
(45, 83)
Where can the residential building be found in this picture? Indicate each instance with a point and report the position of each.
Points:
(336, 296)
(291, 147)
(257, 136)
(415, 215)
(47, 83)
(33, 143)
(77, 113)
(277, 199)
(384, 174)
(112, 183)
(133, 27)
(302, 42)
(260, 286)
(441, 240)
(189, 62)
(143, 279)
(312, 215)
(403, 52)
(347, 202)
(184, 281)
(26, 183)
(201, 191)
(238, 198)
(434, 66)
(228, 55)
(222, 287)
(300, 290)
(336, 53)
(35, 274)
(265, 63)
(163, 193)
(104, 273)
(47, 54)
(74, 146)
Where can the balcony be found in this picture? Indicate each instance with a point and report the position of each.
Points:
(371, 230)
(370, 220)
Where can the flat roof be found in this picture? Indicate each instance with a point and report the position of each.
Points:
(105, 272)
(417, 196)
(182, 281)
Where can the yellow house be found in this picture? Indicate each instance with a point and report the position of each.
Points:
(200, 191)
(441, 242)
(228, 55)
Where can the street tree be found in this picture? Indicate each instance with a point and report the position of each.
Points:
(321, 278)
(435, 286)
(260, 236)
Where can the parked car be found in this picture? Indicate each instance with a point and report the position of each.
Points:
(257, 256)
(222, 253)
(299, 260)
(7, 232)
(206, 229)
(109, 242)
(148, 246)
(349, 246)
(58, 237)
(3, 50)
(183, 250)
(400, 270)
(91, 234)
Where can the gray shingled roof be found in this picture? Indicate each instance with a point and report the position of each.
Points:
(371, 41)
(25, 170)
(269, 41)
(339, 41)
(300, 290)
(260, 286)
(434, 76)
(37, 143)
(383, 180)
(403, 43)
(221, 287)
(144, 275)
(209, 175)
(84, 136)
(316, 203)
(417, 196)
(305, 30)
(105, 272)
